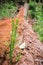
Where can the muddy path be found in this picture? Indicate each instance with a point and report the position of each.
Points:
(32, 54)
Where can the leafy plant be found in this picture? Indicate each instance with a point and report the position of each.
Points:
(13, 37)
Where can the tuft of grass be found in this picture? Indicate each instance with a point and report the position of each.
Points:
(13, 37)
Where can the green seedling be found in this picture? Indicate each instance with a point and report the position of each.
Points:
(13, 37)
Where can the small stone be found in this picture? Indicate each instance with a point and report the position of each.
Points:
(22, 46)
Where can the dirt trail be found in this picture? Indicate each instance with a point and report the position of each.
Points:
(33, 54)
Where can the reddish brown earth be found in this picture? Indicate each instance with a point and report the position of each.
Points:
(32, 54)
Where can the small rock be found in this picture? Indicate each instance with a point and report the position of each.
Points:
(22, 46)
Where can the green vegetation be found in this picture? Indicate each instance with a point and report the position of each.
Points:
(38, 27)
(8, 10)
(13, 37)
(36, 12)
(32, 8)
